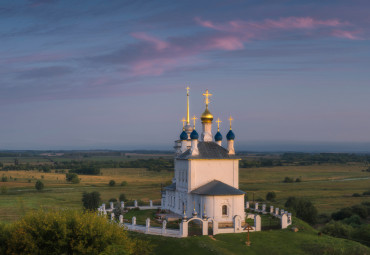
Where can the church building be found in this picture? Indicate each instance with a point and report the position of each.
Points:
(206, 181)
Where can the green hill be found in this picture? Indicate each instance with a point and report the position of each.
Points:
(305, 241)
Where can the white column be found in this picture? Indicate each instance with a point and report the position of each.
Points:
(122, 205)
(135, 203)
(247, 205)
(257, 222)
(150, 203)
(147, 225)
(271, 209)
(194, 147)
(134, 221)
(121, 219)
(230, 147)
(207, 132)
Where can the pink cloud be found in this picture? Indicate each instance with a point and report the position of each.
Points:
(159, 44)
(153, 66)
(226, 43)
(346, 34)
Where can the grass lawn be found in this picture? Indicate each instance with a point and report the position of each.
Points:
(305, 241)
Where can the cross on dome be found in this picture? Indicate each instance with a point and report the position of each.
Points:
(218, 124)
(230, 119)
(183, 123)
(207, 95)
(194, 119)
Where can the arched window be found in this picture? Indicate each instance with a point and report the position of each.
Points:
(224, 210)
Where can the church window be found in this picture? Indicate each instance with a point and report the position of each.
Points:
(224, 210)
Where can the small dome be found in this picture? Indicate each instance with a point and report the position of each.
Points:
(207, 116)
(194, 135)
(218, 137)
(230, 135)
(184, 136)
(188, 128)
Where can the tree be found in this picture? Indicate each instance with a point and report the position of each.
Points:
(66, 232)
(124, 183)
(303, 208)
(72, 177)
(271, 196)
(39, 185)
(91, 200)
(122, 197)
(112, 183)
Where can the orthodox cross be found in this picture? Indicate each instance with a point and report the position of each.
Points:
(187, 90)
(218, 124)
(248, 227)
(230, 119)
(194, 119)
(207, 95)
(183, 123)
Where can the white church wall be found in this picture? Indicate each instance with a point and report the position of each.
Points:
(213, 205)
(181, 174)
(205, 171)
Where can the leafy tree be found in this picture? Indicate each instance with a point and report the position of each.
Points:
(124, 183)
(303, 208)
(288, 180)
(337, 229)
(271, 196)
(122, 197)
(72, 177)
(91, 200)
(112, 183)
(66, 232)
(342, 214)
(39, 185)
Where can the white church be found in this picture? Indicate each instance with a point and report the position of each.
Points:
(206, 181)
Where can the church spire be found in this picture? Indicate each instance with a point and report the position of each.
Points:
(207, 118)
(187, 108)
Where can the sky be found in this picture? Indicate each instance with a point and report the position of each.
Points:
(294, 75)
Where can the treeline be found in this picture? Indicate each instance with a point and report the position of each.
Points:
(93, 167)
(318, 158)
(259, 163)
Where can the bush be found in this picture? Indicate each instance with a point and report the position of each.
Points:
(123, 197)
(114, 200)
(72, 177)
(124, 183)
(39, 185)
(4, 189)
(298, 180)
(91, 200)
(65, 232)
(112, 183)
(303, 208)
(271, 196)
(337, 229)
(4, 178)
(366, 193)
(342, 214)
(353, 221)
(360, 210)
(288, 180)
(356, 195)
(362, 234)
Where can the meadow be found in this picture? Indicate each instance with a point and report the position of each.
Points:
(329, 186)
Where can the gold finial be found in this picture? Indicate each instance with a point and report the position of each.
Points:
(218, 124)
(194, 119)
(230, 119)
(207, 95)
(187, 106)
(183, 123)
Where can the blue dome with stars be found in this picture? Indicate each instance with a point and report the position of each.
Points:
(194, 135)
(184, 136)
(218, 136)
(230, 135)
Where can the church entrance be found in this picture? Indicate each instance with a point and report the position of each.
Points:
(195, 228)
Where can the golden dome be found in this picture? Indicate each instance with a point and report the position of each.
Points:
(207, 116)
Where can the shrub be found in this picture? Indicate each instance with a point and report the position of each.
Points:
(122, 197)
(124, 183)
(91, 200)
(4, 189)
(114, 200)
(353, 221)
(39, 185)
(366, 193)
(362, 234)
(288, 180)
(112, 183)
(4, 178)
(298, 180)
(72, 177)
(271, 196)
(356, 195)
(337, 229)
(65, 232)
(360, 210)
(342, 214)
(303, 208)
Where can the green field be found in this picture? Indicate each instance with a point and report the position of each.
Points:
(329, 186)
